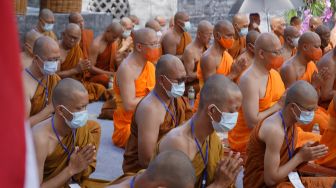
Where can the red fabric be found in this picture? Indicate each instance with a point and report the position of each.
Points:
(12, 136)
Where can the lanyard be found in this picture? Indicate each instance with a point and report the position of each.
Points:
(290, 149)
(205, 158)
(41, 84)
(132, 182)
(166, 107)
(59, 140)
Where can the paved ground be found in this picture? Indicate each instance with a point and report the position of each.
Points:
(109, 157)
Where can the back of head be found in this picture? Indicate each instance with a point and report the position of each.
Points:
(153, 24)
(64, 92)
(295, 20)
(31, 36)
(301, 93)
(290, 31)
(43, 44)
(172, 169)
(252, 36)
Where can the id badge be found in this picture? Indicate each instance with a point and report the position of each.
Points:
(294, 178)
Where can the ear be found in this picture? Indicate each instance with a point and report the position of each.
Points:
(261, 54)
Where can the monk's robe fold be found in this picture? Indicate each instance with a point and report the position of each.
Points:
(86, 41)
(122, 118)
(239, 45)
(311, 182)
(329, 139)
(58, 159)
(216, 153)
(107, 62)
(131, 157)
(281, 38)
(50, 34)
(240, 134)
(71, 61)
(185, 40)
(38, 102)
(321, 116)
(255, 151)
(223, 68)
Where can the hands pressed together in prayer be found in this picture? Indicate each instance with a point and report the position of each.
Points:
(81, 158)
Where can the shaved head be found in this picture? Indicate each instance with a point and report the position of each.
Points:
(266, 41)
(30, 37)
(301, 93)
(314, 22)
(168, 65)
(324, 33)
(291, 31)
(134, 19)
(251, 37)
(223, 27)
(204, 26)
(161, 20)
(240, 21)
(71, 27)
(309, 38)
(127, 23)
(278, 25)
(181, 16)
(44, 45)
(76, 18)
(66, 91)
(153, 25)
(173, 168)
(144, 36)
(46, 14)
(71, 35)
(113, 31)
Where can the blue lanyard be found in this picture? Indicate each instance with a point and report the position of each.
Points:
(41, 84)
(59, 140)
(205, 158)
(290, 149)
(166, 107)
(132, 182)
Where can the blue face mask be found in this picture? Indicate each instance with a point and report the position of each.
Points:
(226, 123)
(48, 27)
(78, 120)
(305, 117)
(243, 31)
(187, 26)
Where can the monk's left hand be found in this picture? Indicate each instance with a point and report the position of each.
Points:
(319, 78)
(228, 169)
(239, 66)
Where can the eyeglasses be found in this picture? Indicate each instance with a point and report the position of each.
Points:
(154, 45)
(275, 52)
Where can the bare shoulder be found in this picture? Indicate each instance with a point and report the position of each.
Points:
(170, 37)
(175, 139)
(271, 127)
(146, 108)
(327, 60)
(41, 133)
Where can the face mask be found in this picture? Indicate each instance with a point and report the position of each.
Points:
(159, 34)
(152, 54)
(177, 90)
(50, 67)
(126, 33)
(187, 26)
(295, 42)
(226, 123)
(48, 27)
(79, 119)
(315, 54)
(305, 117)
(243, 31)
(277, 62)
(136, 27)
(226, 43)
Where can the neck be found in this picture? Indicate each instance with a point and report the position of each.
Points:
(139, 58)
(61, 127)
(260, 67)
(199, 44)
(161, 93)
(301, 58)
(178, 29)
(288, 117)
(203, 126)
(250, 54)
(36, 72)
(39, 28)
(218, 47)
(64, 46)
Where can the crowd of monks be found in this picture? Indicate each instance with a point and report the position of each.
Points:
(264, 111)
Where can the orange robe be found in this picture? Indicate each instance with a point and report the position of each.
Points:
(281, 38)
(107, 62)
(122, 118)
(239, 45)
(50, 34)
(72, 59)
(85, 43)
(321, 116)
(185, 40)
(240, 134)
(224, 68)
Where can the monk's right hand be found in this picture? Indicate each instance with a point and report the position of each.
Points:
(318, 79)
(83, 65)
(228, 169)
(310, 151)
(81, 158)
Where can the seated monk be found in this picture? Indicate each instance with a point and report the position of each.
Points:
(125, 43)
(45, 24)
(197, 138)
(324, 33)
(296, 21)
(134, 79)
(27, 54)
(176, 39)
(254, 22)
(66, 143)
(73, 63)
(193, 52)
(262, 88)
(278, 25)
(302, 67)
(169, 169)
(161, 20)
(271, 155)
(216, 59)
(152, 24)
(136, 21)
(40, 79)
(291, 35)
(314, 22)
(103, 54)
(240, 23)
(161, 110)
(87, 34)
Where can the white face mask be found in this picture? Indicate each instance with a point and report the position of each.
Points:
(127, 33)
(48, 27)
(177, 90)
(78, 120)
(159, 34)
(50, 67)
(136, 27)
(243, 31)
(187, 26)
(296, 42)
(305, 117)
(226, 123)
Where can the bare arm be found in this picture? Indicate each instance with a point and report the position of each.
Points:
(208, 67)
(287, 76)
(94, 52)
(189, 64)
(326, 91)
(37, 118)
(126, 85)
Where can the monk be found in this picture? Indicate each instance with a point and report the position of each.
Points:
(125, 43)
(197, 138)
(127, 25)
(271, 155)
(254, 22)
(87, 34)
(324, 34)
(176, 39)
(291, 35)
(296, 21)
(240, 23)
(27, 54)
(40, 79)
(136, 21)
(161, 110)
(152, 24)
(278, 25)
(45, 24)
(302, 67)
(333, 31)
(65, 146)
(73, 63)
(314, 22)
(262, 89)
(134, 79)
(193, 52)
(169, 169)
(161, 20)
(103, 52)
(248, 54)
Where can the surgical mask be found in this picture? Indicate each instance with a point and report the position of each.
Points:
(159, 34)
(152, 54)
(48, 27)
(136, 27)
(315, 54)
(79, 119)
(243, 31)
(305, 117)
(226, 123)
(295, 42)
(177, 90)
(226, 43)
(50, 67)
(187, 26)
(277, 62)
(126, 33)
